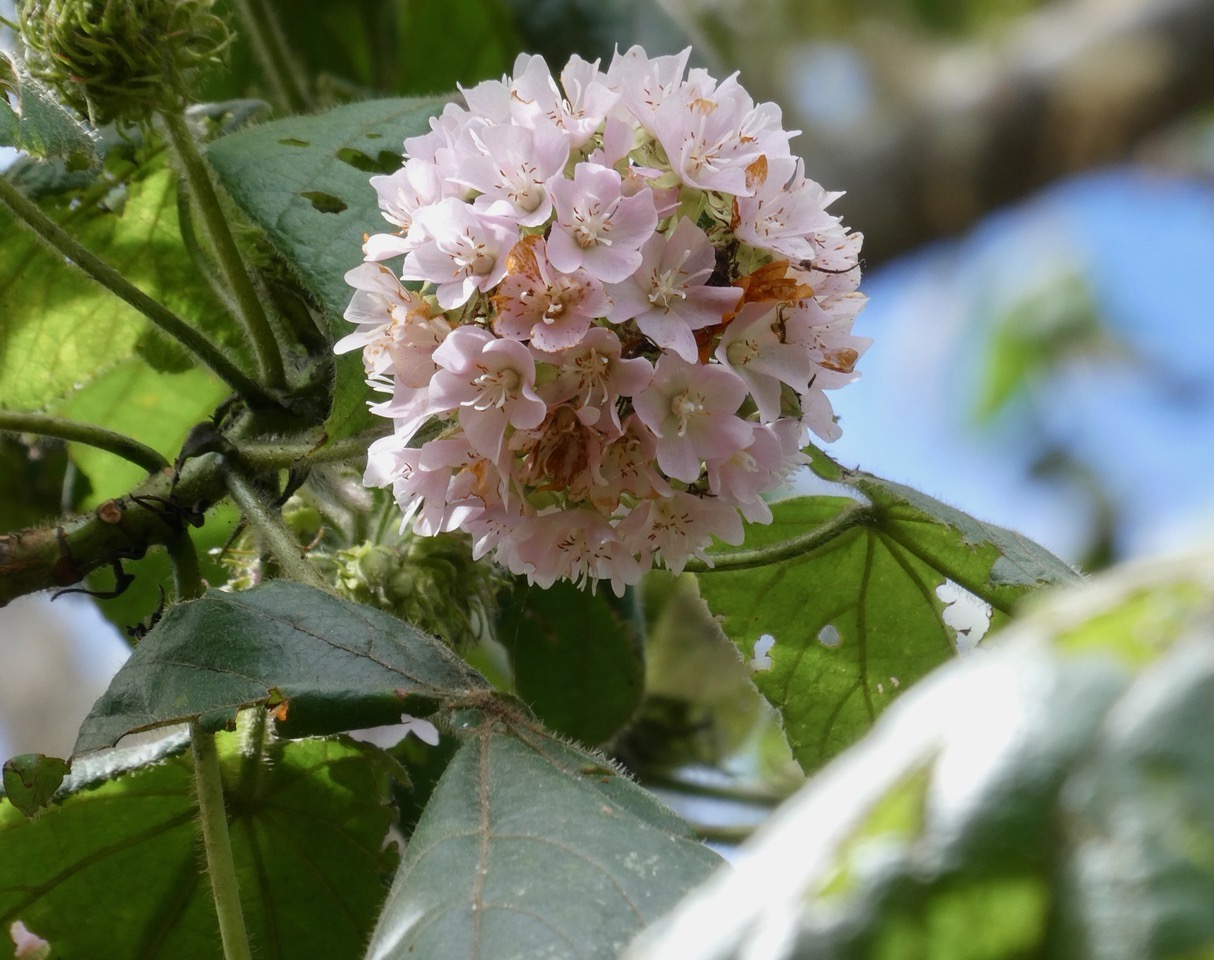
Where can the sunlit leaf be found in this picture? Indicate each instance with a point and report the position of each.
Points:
(111, 868)
(305, 180)
(157, 408)
(530, 848)
(61, 330)
(325, 664)
(859, 617)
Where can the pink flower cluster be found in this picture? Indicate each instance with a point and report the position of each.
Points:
(626, 304)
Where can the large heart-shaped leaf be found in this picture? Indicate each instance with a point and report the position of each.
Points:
(325, 664)
(531, 848)
(305, 181)
(112, 869)
(856, 615)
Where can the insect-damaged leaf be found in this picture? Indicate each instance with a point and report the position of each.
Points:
(325, 664)
(531, 848)
(857, 618)
(305, 181)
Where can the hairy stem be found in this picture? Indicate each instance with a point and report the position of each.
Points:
(218, 845)
(29, 215)
(249, 309)
(277, 539)
(63, 429)
(187, 575)
(786, 549)
(269, 456)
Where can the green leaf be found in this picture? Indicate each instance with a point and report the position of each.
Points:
(996, 564)
(578, 658)
(854, 621)
(111, 868)
(40, 125)
(31, 779)
(855, 611)
(1047, 798)
(531, 848)
(277, 171)
(62, 330)
(157, 408)
(325, 664)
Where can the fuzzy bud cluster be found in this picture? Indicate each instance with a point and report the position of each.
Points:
(622, 305)
(121, 59)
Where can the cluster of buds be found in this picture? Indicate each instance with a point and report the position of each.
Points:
(626, 301)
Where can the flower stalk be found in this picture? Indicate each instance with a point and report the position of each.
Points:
(277, 539)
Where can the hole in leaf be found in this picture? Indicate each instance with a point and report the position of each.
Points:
(385, 162)
(829, 636)
(324, 202)
(969, 617)
(761, 661)
(294, 142)
(374, 136)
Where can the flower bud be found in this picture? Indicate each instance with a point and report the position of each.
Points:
(431, 582)
(120, 60)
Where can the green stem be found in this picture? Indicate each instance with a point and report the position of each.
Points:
(786, 549)
(218, 845)
(215, 228)
(108, 440)
(270, 456)
(29, 215)
(187, 575)
(278, 540)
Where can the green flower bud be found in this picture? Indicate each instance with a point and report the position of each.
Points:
(432, 582)
(120, 59)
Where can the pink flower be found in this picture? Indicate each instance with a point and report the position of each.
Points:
(579, 110)
(668, 296)
(753, 346)
(384, 310)
(595, 376)
(678, 527)
(645, 83)
(578, 545)
(552, 310)
(514, 171)
(714, 133)
(491, 383)
(460, 251)
(785, 215)
(742, 479)
(598, 228)
(692, 410)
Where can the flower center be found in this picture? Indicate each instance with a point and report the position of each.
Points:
(685, 407)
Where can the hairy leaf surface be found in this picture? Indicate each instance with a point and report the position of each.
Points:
(531, 848)
(325, 664)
